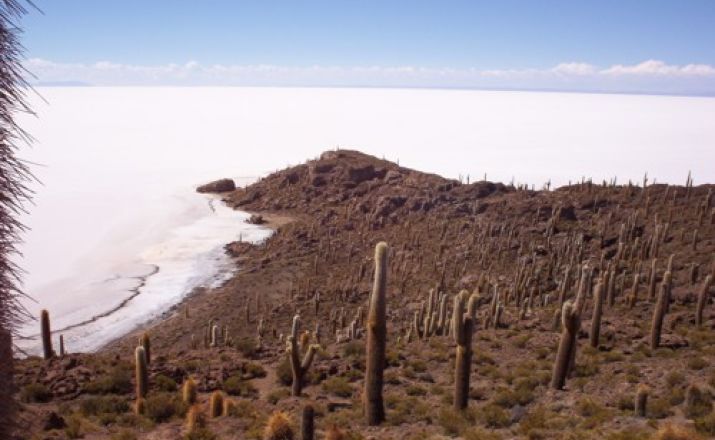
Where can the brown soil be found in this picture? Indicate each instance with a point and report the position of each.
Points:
(446, 235)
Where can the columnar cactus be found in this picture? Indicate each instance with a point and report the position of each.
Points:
(659, 312)
(189, 391)
(376, 340)
(651, 279)
(293, 351)
(634, 291)
(703, 296)
(307, 425)
(462, 329)
(147, 347)
(215, 334)
(641, 402)
(46, 335)
(141, 372)
(611, 289)
(570, 323)
(62, 346)
(216, 404)
(597, 312)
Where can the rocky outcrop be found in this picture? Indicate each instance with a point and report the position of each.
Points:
(217, 186)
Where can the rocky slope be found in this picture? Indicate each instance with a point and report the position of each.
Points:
(521, 251)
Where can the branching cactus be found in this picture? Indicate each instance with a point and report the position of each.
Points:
(141, 372)
(298, 367)
(661, 308)
(463, 327)
(376, 340)
(570, 325)
(703, 296)
(46, 335)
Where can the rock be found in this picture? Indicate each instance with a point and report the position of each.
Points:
(320, 168)
(318, 181)
(53, 421)
(361, 174)
(386, 205)
(256, 219)
(335, 405)
(568, 213)
(392, 176)
(217, 186)
(69, 363)
(517, 413)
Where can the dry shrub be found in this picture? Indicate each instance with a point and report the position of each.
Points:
(334, 433)
(675, 432)
(279, 427)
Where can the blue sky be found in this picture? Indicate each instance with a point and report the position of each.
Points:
(381, 43)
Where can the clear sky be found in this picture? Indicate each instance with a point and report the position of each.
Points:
(555, 44)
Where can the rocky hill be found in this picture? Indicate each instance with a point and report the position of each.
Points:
(631, 356)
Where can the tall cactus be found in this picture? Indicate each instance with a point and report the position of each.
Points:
(46, 335)
(661, 308)
(188, 391)
(14, 179)
(570, 322)
(651, 279)
(703, 296)
(462, 329)
(641, 402)
(141, 372)
(376, 340)
(146, 343)
(216, 404)
(307, 425)
(293, 350)
(597, 312)
(570, 325)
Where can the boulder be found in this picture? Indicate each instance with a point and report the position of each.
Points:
(361, 174)
(217, 186)
(256, 219)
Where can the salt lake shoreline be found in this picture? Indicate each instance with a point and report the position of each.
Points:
(270, 221)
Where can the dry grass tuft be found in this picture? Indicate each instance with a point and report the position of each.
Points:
(675, 432)
(279, 427)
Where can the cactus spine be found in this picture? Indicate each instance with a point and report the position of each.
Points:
(463, 327)
(376, 340)
(46, 335)
(141, 372)
(307, 425)
(703, 297)
(298, 368)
